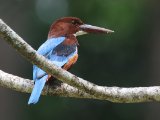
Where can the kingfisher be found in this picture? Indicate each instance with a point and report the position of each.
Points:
(61, 47)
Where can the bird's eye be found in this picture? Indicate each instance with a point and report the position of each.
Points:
(73, 22)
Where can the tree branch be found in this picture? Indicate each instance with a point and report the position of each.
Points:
(25, 85)
(87, 89)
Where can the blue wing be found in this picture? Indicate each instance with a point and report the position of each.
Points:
(40, 76)
(44, 50)
(49, 45)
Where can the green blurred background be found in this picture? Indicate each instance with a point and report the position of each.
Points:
(130, 57)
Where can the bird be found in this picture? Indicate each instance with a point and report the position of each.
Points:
(61, 47)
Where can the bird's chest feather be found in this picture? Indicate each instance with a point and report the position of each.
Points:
(67, 47)
(64, 50)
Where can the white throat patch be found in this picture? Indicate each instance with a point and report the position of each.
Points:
(80, 33)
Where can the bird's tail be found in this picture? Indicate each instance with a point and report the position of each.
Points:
(36, 92)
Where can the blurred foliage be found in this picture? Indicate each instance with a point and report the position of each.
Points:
(119, 59)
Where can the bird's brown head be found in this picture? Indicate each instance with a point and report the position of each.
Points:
(72, 25)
